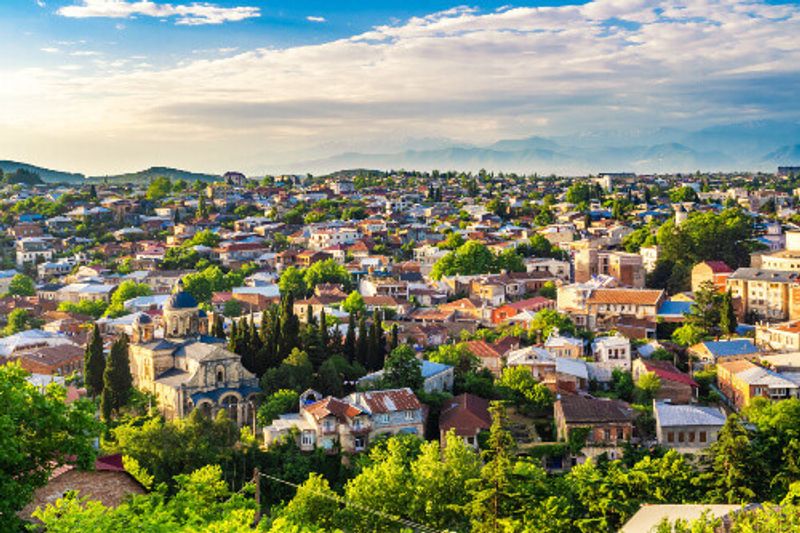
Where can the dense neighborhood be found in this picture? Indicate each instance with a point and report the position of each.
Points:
(389, 351)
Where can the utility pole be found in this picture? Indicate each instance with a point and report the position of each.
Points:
(257, 481)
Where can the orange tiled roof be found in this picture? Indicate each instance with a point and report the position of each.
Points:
(625, 296)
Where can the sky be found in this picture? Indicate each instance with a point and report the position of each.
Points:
(107, 86)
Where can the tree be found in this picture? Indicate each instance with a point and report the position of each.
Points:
(18, 320)
(292, 282)
(126, 290)
(41, 432)
(734, 468)
(232, 308)
(647, 387)
(21, 285)
(403, 369)
(327, 271)
(688, 335)
(117, 379)
(522, 387)
(354, 303)
(350, 339)
(362, 343)
(93, 308)
(548, 320)
(475, 258)
(159, 188)
(727, 315)
(289, 327)
(279, 402)
(94, 363)
(295, 372)
(548, 290)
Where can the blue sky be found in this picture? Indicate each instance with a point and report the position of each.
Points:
(107, 85)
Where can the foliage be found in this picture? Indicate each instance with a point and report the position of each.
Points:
(475, 258)
(21, 285)
(327, 271)
(159, 188)
(94, 363)
(293, 282)
(19, 320)
(402, 369)
(279, 402)
(117, 379)
(39, 431)
(93, 308)
(126, 290)
(354, 303)
(547, 320)
(203, 502)
(519, 385)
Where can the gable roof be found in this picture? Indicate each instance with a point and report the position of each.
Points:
(667, 371)
(730, 347)
(482, 349)
(625, 296)
(668, 414)
(332, 406)
(388, 401)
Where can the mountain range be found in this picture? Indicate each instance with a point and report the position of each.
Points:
(753, 146)
(746, 146)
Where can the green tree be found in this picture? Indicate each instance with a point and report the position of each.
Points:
(349, 348)
(41, 432)
(354, 304)
(125, 291)
(17, 320)
(94, 363)
(21, 285)
(547, 320)
(279, 402)
(158, 189)
(403, 369)
(727, 315)
(647, 386)
(117, 379)
(327, 271)
(293, 282)
(93, 308)
(734, 467)
(232, 308)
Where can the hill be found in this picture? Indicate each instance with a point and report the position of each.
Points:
(144, 176)
(47, 175)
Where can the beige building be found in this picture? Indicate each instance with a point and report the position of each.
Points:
(188, 370)
(771, 295)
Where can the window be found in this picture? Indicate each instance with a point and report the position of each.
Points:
(702, 436)
(471, 441)
(359, 443)
(606, 434)
(680, 436)
(409, 415)
(691, 436)
(620, 434)
(307, 439)
(384, 418)
(670, 436)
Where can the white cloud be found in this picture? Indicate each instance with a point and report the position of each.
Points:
(316, 19)
(41, 3)
(50, 50)
(462, 74)
(194, 14)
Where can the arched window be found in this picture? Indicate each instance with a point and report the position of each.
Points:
(220, 375)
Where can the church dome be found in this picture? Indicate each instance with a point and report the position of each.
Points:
(181, 299)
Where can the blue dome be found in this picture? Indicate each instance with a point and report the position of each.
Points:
(181, 300)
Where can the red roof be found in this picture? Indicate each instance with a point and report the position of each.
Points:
(466, 413)
(719, 267)
(332, 406)
(482, 349)
(666, 370)
(389, 401)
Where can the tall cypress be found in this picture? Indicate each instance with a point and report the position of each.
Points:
(362, 343)
(350, 339)
(394, 340)
(290, 328)
(94, 363)
(117, 378)
(234, 338)
(324, 338)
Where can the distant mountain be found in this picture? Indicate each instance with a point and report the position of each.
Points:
(730, 147)
(144, 176)
(47, 175)
(785, 155)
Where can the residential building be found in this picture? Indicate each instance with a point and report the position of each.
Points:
(772, 295)
(608, 423)
(713, 352)
(687, 428)
(467, 415)
(741, 381)
(714, 272)
(676, 386)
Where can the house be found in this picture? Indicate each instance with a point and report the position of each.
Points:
(741, 381)
(75, 292)
(32, 250)
(491, 356)
(564, 345)
(540, 362)
(712, 352)
(467, 415)
(531, 305)
(676, 386)
(714, 272)
(108, 483)
(596, 308)
(613, 352)
(607, 423)
(437, 377)
(687, 428)
(60, 360)
(778, 337)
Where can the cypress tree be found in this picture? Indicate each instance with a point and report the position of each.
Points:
(394, 341)
(234, 338)
(362, 343)
(350, 340)
(324, 338)
(309, 315)
(117, 379)
(290, 328)
(94, 363)
(727, 316)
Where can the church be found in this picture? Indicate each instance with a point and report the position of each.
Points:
(185, 368)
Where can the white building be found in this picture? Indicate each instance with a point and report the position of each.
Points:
(612, 352)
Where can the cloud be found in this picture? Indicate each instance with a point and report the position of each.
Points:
(316, 19)
(50, 50)
(194, 14)
(463, 74)
(41, 3)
